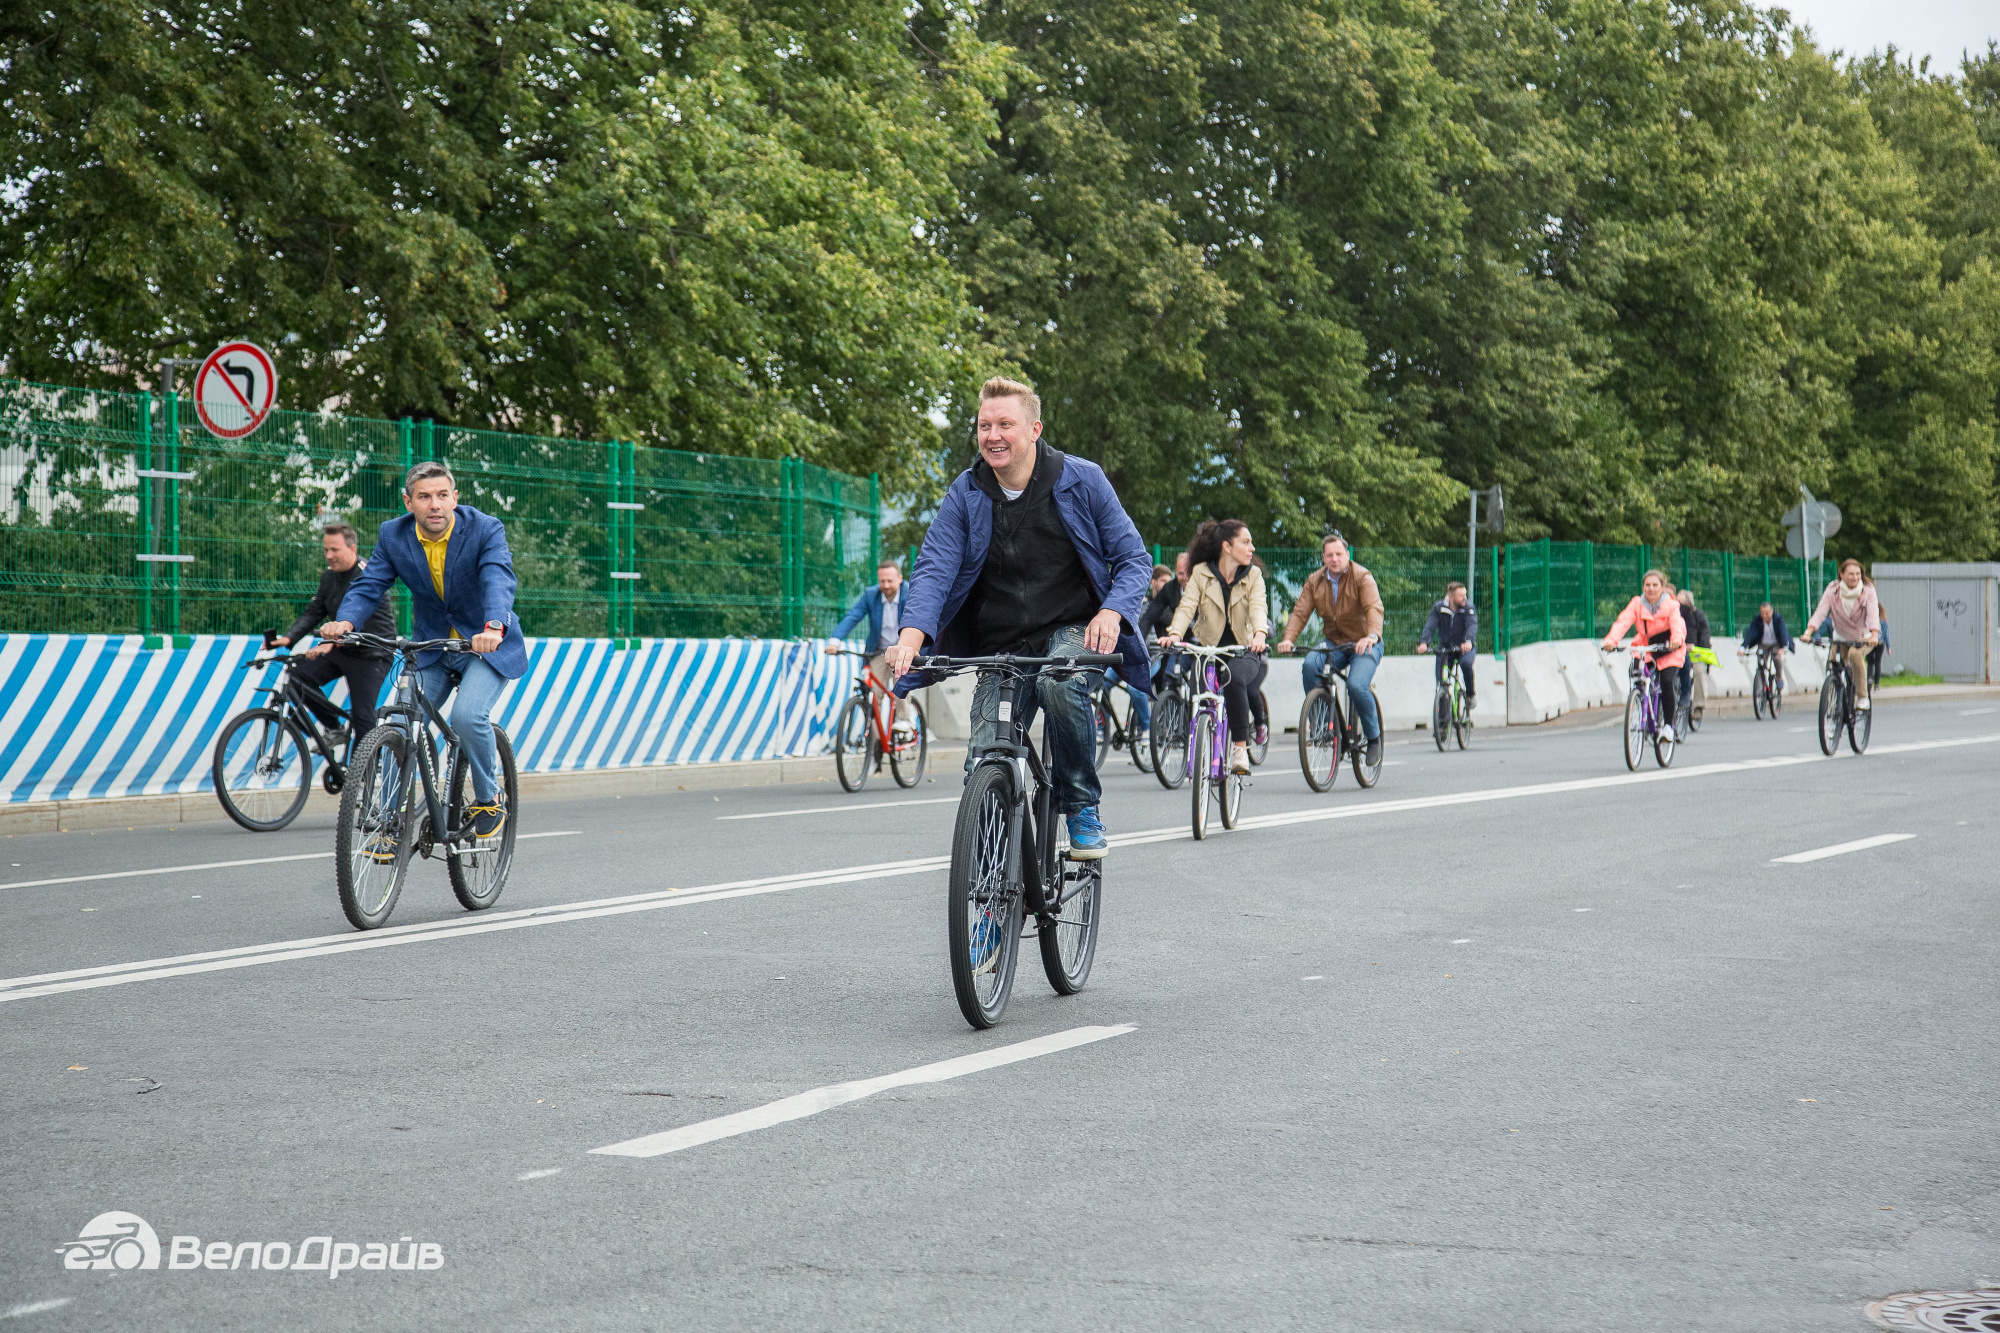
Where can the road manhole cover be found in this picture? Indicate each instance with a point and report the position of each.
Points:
(1939, 1311)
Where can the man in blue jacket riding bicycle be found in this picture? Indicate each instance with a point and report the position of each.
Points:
(1031, 553)
(455, 562)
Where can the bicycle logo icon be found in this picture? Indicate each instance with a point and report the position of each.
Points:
(113, 1240)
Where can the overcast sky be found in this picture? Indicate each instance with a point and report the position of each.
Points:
(1941, 29)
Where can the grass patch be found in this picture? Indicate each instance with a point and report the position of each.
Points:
(1908, 678)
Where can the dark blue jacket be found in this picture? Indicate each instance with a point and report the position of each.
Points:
(869, 604)
(1446, 628)
(1753, 633)
(954, 551)
(478, 585)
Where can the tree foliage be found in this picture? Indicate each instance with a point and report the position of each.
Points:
(1649, 264)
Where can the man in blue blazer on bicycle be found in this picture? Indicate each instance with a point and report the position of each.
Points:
(1031, 553)
(455, 562)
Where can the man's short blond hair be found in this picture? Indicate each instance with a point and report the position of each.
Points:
(1002, 387)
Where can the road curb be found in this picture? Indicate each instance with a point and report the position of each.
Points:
(115, 812)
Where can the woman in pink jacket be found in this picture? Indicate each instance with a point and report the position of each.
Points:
(1849, 601)
(1657, 619)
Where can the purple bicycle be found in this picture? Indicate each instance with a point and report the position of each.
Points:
(1642, 708)
(1208, 735)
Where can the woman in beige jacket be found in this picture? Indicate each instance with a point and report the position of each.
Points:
(1225, 604)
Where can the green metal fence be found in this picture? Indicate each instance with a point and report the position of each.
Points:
(122, 515)
(1410, 578)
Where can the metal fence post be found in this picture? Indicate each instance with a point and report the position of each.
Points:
(790, 543)
(1590, 589)
(173, 521)
(1548, 581)
(1729, 587)
(614, 456)
(146, 533)
(1501, 597)
(406, 450)
(1493, 582)
(875, 522)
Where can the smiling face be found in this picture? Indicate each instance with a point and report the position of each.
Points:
(1851, 576)
(1654, 586)
(1007, 438)
(889, 578)
(1334, 556)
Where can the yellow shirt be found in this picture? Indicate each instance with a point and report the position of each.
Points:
(434, 556)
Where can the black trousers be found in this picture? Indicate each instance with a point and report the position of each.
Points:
(1464, 660)
(1239, 693)
(364, 686)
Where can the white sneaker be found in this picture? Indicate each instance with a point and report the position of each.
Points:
(1667, 732)
(1862, 705)
(1239, 759)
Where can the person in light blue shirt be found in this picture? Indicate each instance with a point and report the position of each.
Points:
(882, 607)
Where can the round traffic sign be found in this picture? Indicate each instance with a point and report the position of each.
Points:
(235, 389)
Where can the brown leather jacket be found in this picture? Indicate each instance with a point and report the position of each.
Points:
(1357, 612)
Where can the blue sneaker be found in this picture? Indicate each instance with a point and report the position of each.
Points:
(1086, 836)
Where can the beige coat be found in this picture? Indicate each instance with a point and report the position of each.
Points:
(1249, 608)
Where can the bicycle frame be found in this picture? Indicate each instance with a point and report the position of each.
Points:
(881, 702)
(288, 697)
(411, 711)
(1649, 692)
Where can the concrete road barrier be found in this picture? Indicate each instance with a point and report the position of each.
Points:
(1536, 691)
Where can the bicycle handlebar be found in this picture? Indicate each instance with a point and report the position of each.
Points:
(361, 639)
(1204, 650)
(1012, 663)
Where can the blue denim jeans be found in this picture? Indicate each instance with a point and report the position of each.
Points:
(1360, 671)
(478, 687)
(1072, 739)
(1142, 703)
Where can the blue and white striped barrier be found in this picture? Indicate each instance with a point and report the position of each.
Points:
(90, 715)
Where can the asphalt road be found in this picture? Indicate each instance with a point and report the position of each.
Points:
(1486, 1052)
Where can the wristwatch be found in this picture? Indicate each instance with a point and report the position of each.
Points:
(497, 626)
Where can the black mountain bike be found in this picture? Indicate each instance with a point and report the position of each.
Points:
(1327, 726)
(1114, 733)
(382, 821)
(1172, 702)
(1010, 851)
(1767, 688)
(1837, 711)
(262, 767)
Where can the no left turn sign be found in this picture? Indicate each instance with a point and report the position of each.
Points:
(235, 389)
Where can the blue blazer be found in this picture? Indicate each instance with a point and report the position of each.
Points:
(1753, 633)
(478, 585)
(869, 604)
(954, 551)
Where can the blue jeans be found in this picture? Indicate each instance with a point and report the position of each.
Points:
(1072, 738)
(478, 687)
(1142, 703)
(1360, 671)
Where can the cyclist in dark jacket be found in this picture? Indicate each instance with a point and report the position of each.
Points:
(365, 668)
(1697, 637)
(1453, 624)
(1767, 626)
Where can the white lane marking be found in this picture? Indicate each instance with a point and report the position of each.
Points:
(1974, 712)
(839, 809)
(36, 1307)
(229, 865)
(155, 969)
(19, 988)
(839, 1094)
(1841, 849)
(1461, 941)
(1315, 977)
(537, 1175)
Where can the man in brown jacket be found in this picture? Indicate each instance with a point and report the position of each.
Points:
(1350, 616)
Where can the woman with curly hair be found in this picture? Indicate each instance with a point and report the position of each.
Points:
(1225, 604)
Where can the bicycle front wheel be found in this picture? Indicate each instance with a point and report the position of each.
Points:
(1201, 756)
(983, 907)
(1068, 933)
(1760, 693)
(1319, 739)
(371, 844)
(262, 770)
(1635, 728)
(1169, 740)
(1441, 717)
(1830, 719)
(910, 751)
(478, 870)
(1461, 716)
(854, 744)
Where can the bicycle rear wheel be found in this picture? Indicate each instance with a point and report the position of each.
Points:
(1068, 934)
(908, 757)
(478, 870)
(1141, 746)
(1201, 756)
(1635, 727)
(1830, 709)
(1859, 727)
(1440, 716)
(262, 770)
(1777, 692)
(1168, 740)
(983, 908)
(1663, 749)
(1319, 739)
(1100, 725)
(854, 744)
(1232, 798)
(371, 844)
(1260, 750)
(1365, 773)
